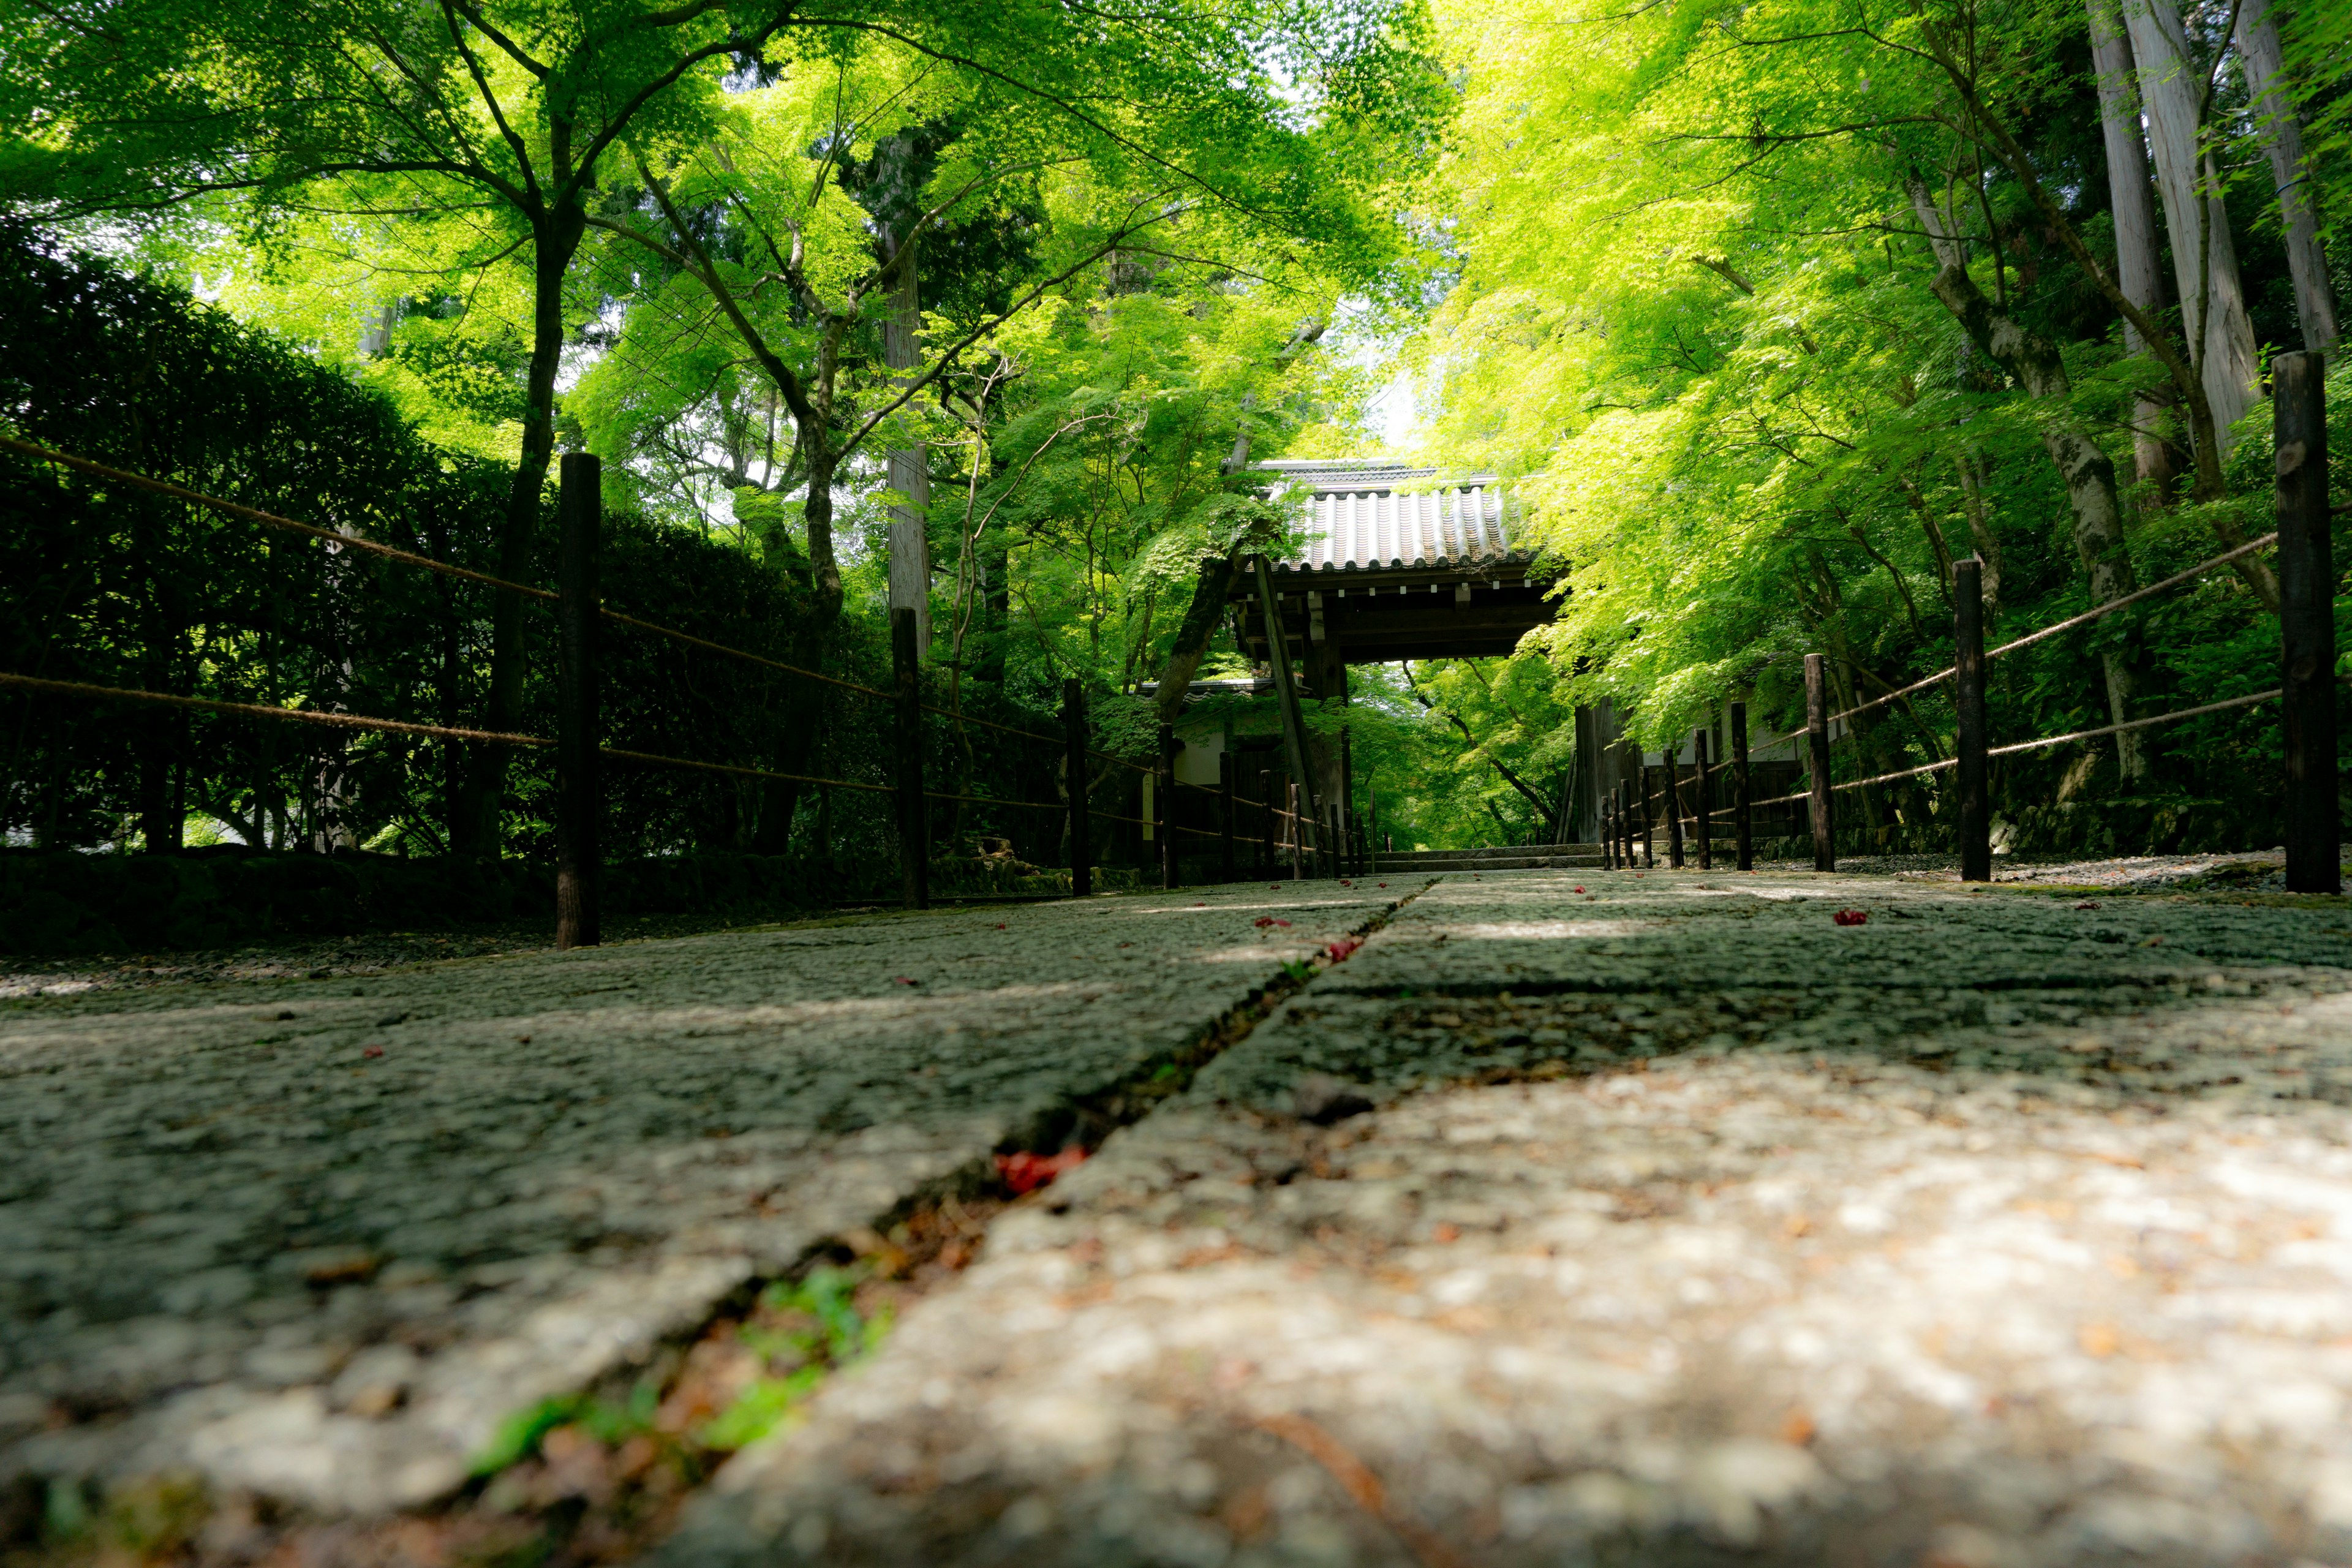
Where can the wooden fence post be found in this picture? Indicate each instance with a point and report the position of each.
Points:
(1292, 827)
(1674, 806)
(1649, 823)
(914, 809)
(1817, 737)
(579, 802)
(1344, 847)
(1706, 801)
(1074, 766)
(1743, 836)
(1286, 689)
(1968, 699)
(2306, 573)
(1225, 815)
(1265, 822)
(1371, 830)
(1165, 811)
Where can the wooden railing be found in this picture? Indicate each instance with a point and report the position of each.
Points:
(2307, 692)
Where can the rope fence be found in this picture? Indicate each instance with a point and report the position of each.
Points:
(264, 711)
(1056, 805)
(651, 759)
(2028, 639)
(2020, 747)
(270, 520)
(578, 610)
(2306, 588)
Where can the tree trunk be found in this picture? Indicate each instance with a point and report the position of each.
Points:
(2281, 137)
(2204, 260)
(1934, 530)
(556, 238)
(2137, 269)
(824, 571)
(155, 728)
(1210, 595)
(780, 798)
(911, 475)
(1980, 529)
(450, 714)
(996, 621)
(2088, 472)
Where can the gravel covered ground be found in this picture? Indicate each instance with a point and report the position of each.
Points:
(1666, 1221)
(2259, 871)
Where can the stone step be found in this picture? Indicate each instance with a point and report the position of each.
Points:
(1563, 858)
(1486, 852)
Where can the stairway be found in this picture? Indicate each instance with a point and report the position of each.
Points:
(1522, 857)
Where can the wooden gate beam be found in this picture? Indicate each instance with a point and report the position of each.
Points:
(1286, 687)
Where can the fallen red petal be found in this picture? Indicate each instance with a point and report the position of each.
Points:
(1026, 1173)
(902, 980)
(372, 1051)
(1343, 948)
(1850, 917)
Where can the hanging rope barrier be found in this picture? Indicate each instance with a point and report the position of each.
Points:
(2017, 747)
(2029, 638)
(264, 711)
(339, 538)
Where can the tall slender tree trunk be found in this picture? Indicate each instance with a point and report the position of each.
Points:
(1971, 466)
(911, 475)
(2137, 268)
(824, 570)
(160, 632)
(996, 604)
(556, 238)
(2282, 138)
(2204, 259)
(2088, 472)
(780, 798)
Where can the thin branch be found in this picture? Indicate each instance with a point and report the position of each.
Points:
(513, 50)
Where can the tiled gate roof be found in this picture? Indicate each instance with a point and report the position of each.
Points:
(1358, 521)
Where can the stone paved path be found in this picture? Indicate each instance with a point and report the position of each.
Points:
(1574, 1217)
(317, 1240)
(1687, 1226)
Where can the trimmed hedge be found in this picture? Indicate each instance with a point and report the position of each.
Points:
(67, 903)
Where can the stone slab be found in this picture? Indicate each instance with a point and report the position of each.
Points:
(317, 1240)
(1760, 1245)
